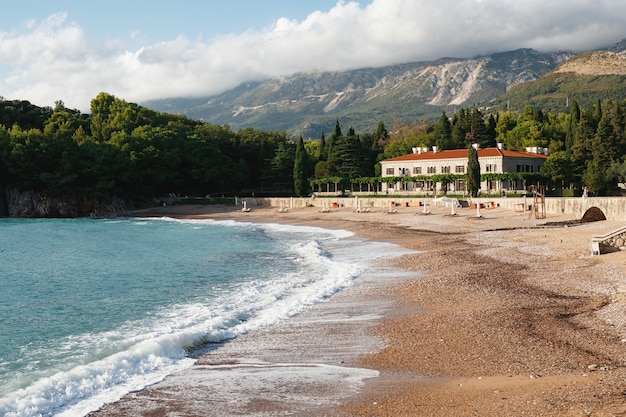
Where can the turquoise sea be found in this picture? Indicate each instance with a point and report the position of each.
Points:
(91, 309)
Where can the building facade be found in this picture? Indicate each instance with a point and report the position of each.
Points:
(423, 163)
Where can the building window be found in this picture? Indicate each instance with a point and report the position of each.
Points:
(491, 168)
(459, 169)
(417, 170)
(445, 170)
(431, 170)
(389, 171)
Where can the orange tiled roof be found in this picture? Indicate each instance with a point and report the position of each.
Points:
(462, 153)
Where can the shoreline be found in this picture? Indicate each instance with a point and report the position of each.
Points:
(509, 318)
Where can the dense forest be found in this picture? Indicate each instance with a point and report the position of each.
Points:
(128, 151)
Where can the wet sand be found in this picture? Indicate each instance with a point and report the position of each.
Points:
(497, 315)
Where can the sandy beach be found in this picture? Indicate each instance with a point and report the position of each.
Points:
(491, 316)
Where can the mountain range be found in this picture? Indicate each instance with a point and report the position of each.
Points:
(308, 104)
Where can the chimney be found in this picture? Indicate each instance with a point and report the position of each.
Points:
(434, 149)
(414, 150)
(500, 145)
(476, 146)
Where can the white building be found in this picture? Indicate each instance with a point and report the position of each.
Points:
(423, 163)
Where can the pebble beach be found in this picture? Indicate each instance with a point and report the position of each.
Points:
(501, 314)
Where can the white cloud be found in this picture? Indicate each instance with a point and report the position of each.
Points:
(52, 59)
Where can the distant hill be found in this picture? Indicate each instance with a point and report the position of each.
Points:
(309, 103)
(586, 78)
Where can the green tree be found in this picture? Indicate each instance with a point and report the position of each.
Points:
(574, 118)
(616, 172)
(442, 131)
(558, 168)
(478, 129)
(582, 150)
(381, 136)
(280, 173)
(461, 130)
(331, 139)
(594, 179)
(300, 182)
(473, 171)
(346, 158)
(504, 124)
(5, 152)
(605, 143)
(323, 153)
(491, 133)
(609, 143)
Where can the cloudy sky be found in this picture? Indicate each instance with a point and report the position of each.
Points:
(137, 50)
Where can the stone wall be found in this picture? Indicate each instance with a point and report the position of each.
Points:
(614, 243)
(614, 208)
(611, 242)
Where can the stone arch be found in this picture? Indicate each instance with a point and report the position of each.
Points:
(593, 214)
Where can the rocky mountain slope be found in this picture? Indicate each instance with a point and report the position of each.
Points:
(308, 104)
(585, 78)
(596, 63)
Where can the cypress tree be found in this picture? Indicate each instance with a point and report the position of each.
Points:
(337, 131)
(574, 118)
(299, 170)
(332, 139)
(323, 151)
(473, 171)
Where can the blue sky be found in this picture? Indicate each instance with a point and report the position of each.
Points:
(160, 20)
(140, 50)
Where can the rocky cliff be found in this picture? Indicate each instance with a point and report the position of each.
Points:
(19, 203)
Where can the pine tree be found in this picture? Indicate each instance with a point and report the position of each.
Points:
(346, 159)
(478, 128)
(491, 124)
(604, 143)
(461, 135)
(337, 131)
(380, 136)
(582, 149)
(443, 132)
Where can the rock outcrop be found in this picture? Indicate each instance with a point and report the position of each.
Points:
(20, 203)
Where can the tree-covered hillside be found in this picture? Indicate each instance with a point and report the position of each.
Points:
(126, 151)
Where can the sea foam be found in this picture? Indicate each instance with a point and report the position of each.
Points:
(289, 269)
